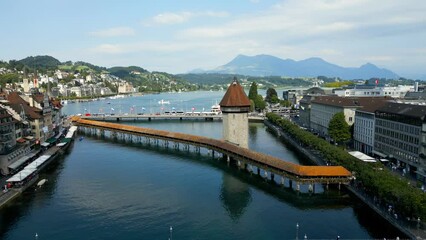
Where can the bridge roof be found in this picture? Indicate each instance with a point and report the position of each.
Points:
(269, 161)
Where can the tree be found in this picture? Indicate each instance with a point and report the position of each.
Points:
(259, 103)
(270, 93)
(251, 105)
(253, 92)
(285, 103)
(338, 128)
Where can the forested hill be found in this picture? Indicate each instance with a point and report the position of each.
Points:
(40, 62)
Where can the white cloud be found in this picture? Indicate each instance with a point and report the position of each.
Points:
(114, 32)
(169, 18)
(344, 32)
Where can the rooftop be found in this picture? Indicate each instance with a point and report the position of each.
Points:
(235, 96)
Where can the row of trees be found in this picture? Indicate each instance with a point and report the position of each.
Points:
(378, 181)
(257, 101)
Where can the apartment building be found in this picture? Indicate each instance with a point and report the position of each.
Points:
(400, 135)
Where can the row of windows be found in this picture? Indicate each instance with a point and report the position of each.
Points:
(399, 126)
(404, 156)
(398, 135)
(397, 118)
(398, 144)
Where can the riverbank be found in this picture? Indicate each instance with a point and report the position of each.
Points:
(411, 227)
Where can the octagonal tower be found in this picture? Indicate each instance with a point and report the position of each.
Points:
(235, 106)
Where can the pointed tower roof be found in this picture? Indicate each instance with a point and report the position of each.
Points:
(235, 96)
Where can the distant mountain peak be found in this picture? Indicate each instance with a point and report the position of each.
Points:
(268, 65)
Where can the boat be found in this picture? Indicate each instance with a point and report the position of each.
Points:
(163, 102)
(215, 109)
(41, 182)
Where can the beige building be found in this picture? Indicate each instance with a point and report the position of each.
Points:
(323, 108)
(125, 87)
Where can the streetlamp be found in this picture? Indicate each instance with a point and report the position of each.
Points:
(171, 233)
(297, 231)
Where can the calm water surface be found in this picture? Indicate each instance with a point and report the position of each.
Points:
(110, 190)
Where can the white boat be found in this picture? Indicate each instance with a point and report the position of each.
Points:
(163, 102)
(41, 182)
(215, 109)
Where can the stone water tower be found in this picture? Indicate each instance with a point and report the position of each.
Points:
(235, 106)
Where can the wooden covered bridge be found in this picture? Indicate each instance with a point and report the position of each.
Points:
(244, 157)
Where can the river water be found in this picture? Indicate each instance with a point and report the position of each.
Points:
(111, 190)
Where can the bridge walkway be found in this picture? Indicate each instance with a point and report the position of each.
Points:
(299, 173)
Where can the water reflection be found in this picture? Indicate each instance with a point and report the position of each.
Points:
(235, 196)
(253, 132)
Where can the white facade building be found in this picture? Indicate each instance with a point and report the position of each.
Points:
(394, 92)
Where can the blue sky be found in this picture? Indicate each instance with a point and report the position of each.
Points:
(179, 36)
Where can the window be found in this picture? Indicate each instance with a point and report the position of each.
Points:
(350, 119)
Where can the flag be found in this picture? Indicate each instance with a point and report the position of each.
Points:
(377, 81)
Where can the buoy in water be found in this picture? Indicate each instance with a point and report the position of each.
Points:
(41, 182)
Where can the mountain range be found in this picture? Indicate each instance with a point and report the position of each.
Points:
(267, 65)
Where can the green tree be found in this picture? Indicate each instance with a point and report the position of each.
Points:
(270, 93)
(338, 128)
(253, 92)
(251, 105)
(285, 103)
(275, 99)
(259, 103)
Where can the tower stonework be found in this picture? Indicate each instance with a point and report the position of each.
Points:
(235, 106)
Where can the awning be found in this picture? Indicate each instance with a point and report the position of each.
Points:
(51, 140)
(363, 157)
(18, 162)
(21, 175)
(45, 144)
(379, 154)
(22, 160)
(20, 140)
(384, 160)
(38, 162)
(61, 144)
(66, 140)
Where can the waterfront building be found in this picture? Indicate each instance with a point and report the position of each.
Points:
(305, 105)
(15, 140)
(374, 91)
(32, 114)
(7, 139)
(323, 108)
(364, 126)
(125, 87)
(235, 106)
(76, 91)
(400, 131)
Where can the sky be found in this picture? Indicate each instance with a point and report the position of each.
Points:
(182, 35)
